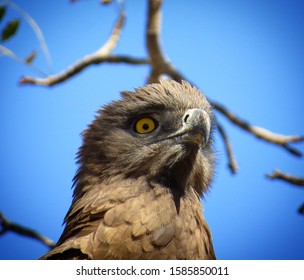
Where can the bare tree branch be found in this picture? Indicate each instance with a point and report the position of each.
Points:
(231, 158)
(160, 65)
(152, 39)
(80, 65)
(277, 174)
(262, 133)
(6, 225)
(102, 55)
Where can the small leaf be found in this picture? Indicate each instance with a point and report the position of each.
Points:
(2, 12)
(29, 59)
(10, 29)
(105, 2)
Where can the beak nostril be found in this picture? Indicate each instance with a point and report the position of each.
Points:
(186, 118)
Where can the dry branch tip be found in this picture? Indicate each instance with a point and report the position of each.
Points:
(232, 164)
(277, 174)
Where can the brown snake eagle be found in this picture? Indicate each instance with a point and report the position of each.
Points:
(145, 162)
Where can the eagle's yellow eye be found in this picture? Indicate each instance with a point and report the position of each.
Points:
(145, 125)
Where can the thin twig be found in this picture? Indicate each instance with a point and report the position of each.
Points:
(262, 133)
(36, 29)
(277, 174)
(6, 225)
(231, 158)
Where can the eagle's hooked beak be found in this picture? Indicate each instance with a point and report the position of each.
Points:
(196, 126)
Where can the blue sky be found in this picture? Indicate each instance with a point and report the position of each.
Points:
(247, 55)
